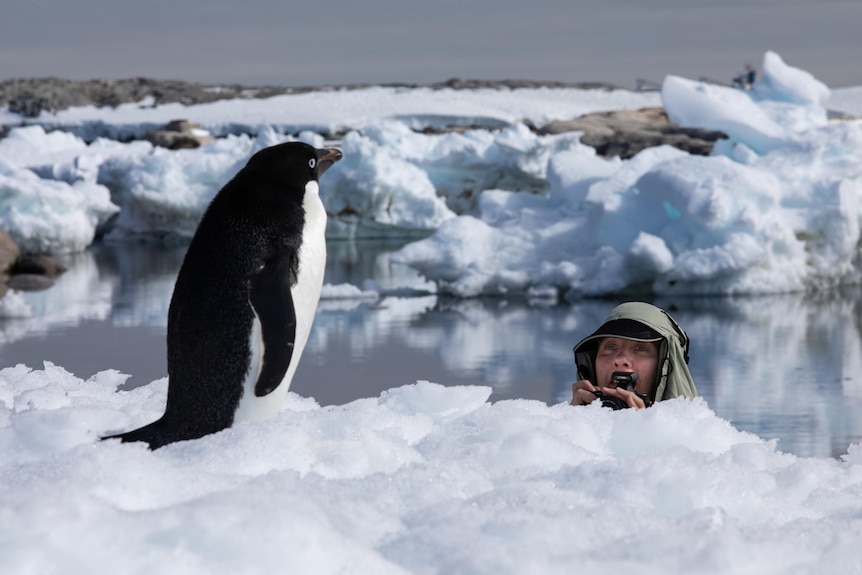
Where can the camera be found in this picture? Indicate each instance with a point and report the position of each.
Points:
(624, 380)
(611, 401)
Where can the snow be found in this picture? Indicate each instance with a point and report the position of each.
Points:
(422, 479)
(427, 478)
(846, 100)
(347, 292)
(46, 215)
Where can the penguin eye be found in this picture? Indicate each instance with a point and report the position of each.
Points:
(311, 163)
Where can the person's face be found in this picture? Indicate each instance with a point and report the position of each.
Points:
(619, 354)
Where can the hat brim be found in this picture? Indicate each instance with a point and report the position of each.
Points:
(622, 328)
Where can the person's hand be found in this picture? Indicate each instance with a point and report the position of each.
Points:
(630, 398)
(584, 392)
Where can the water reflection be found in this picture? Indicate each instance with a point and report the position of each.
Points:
(786, 367)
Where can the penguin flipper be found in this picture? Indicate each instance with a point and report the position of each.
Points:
(272, 301)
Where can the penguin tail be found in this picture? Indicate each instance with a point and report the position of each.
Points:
(151, 434)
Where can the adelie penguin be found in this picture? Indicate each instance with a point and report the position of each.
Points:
(245, 296)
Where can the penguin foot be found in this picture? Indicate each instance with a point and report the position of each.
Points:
(150, 434)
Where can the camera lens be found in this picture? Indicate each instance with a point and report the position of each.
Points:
(613, 402)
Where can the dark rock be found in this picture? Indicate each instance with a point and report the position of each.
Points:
(625, 133)
(38, 264)
(25, 272)
(29, 282)
(178, 134)
(9, 252)
(31, 272)
(459, 84)
(29, 97)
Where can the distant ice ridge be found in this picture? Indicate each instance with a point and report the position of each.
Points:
(775, 208)
(393, 182)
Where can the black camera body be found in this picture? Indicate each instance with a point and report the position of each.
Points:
(624, 380)
(611, 401)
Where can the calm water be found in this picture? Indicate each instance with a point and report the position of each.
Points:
(783, 367)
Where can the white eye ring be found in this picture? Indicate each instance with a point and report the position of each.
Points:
(311, 163)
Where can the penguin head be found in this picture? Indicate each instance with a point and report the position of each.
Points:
(294, 161)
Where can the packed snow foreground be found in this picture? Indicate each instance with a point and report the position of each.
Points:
(422, 479)
(502, 210)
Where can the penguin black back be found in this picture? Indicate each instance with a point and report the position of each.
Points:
(239, 275)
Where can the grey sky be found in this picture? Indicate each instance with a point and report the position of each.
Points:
(337, 42)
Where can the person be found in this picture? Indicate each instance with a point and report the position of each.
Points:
(638, 356)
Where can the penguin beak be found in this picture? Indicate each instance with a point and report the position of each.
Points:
(325, 158)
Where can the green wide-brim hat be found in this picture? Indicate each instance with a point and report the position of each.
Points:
(640, 321)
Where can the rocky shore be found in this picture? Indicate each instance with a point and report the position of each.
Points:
(29, 97)
(621, 133)
(25, 272)
(624, 133)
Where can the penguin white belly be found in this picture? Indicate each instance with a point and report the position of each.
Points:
(305, 294)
